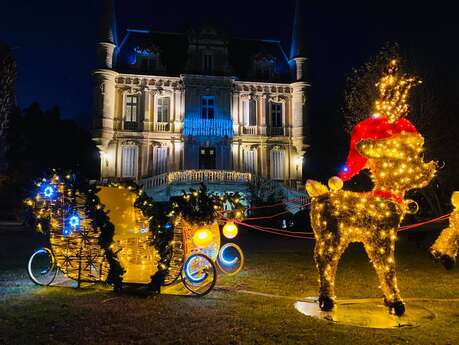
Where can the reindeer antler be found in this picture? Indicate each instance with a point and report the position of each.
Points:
(393, 90)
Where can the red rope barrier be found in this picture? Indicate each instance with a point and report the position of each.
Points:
(416, 225)
(274, 232)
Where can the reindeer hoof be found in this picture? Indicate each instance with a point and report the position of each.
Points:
(397, 308)
(447, 262)
(326, 303)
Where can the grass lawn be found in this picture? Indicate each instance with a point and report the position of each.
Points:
(277, 266)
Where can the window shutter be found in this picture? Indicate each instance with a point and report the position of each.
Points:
(129, 161)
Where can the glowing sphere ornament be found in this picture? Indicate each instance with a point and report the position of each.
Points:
(230, 230)
(335, 183)
(203, 237)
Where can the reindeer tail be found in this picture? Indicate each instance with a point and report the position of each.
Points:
(315, 188)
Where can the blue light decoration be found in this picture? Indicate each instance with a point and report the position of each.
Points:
(194, 276)
(168, 226)
(195, 126)
(72, 223)
(224, 258)
(345, 169)
(48, 191)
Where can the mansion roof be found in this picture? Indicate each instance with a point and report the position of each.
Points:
(172, 54)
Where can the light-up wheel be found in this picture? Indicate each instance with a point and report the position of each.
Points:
(42, 267)
(199, 274)
(230, 259)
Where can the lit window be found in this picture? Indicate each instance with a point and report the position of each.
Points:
(277, 164)
(129, 161)
(160, 158)
(130, 112)
(249, 112)
(276, 115)
(249, 163)
(207, 107)
(163, 109)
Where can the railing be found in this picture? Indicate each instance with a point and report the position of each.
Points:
(275, 131)
(250, 130)
(196, 126)
(131, 126)
(196, 176)
(161, 127)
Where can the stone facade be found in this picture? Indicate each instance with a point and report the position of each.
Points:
(151, 118)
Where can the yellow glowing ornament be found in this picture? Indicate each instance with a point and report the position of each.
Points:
(446, 246)
(203, 238)
(230, 230)
(335, 183)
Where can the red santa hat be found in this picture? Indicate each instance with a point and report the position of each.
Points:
(371, 128)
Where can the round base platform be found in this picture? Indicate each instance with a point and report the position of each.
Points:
(365, 313)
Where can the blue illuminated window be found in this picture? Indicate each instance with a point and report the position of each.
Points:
(208, 107)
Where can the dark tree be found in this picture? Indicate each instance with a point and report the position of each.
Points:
(39, 141)
(7, 98)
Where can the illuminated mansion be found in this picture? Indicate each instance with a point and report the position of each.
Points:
(199, 100)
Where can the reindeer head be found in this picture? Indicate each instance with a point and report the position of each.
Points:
(396, 163)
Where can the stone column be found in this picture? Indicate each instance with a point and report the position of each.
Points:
(298, 111)
(235, 111)
(104, 117)
(263, 115)
(147, 110)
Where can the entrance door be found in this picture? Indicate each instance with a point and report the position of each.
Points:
(207, 158)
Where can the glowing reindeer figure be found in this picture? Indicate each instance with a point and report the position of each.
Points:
(446, 247)
(391, 148)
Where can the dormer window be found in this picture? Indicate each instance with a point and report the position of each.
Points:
(146, 59)
(208, 63)
(264, 66)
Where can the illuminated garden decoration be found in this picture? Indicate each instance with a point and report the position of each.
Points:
(446, 247)
(392, 149)
(79, 233)
(117, 234)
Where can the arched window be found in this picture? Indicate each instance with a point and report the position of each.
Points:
(129, 160)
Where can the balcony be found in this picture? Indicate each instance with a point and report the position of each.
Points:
(161, 127)
(195, 126)
(131, 126)
(249, 130)
(276, 131)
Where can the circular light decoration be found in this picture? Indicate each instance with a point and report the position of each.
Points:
(74, 221)
(230, 259)
(48, 191)
(230, 230)
(203, 237)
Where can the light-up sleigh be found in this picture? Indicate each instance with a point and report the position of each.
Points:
(105, 234)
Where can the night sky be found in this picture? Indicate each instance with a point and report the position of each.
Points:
(54, 41)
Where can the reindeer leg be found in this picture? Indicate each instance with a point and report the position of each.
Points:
(445, 247)
(381, 253)
(327, 252)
